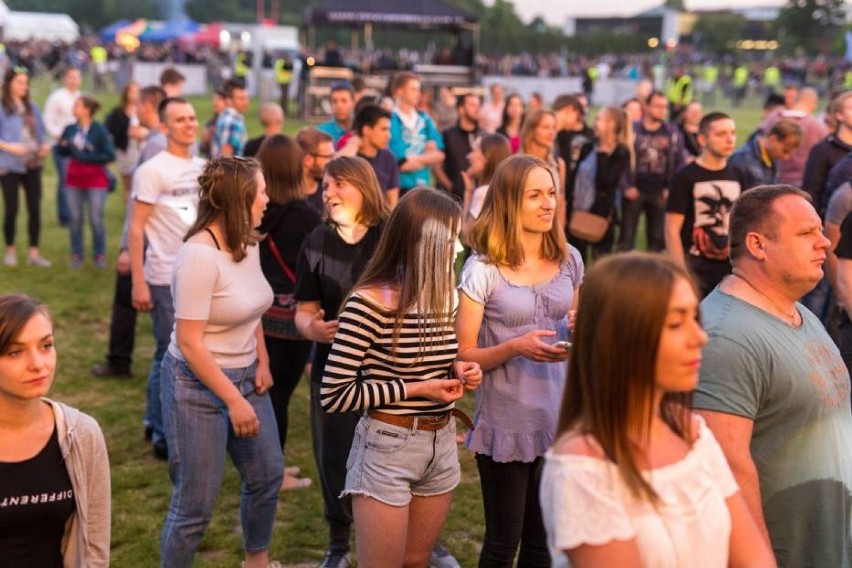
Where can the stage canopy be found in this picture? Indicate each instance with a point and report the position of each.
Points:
(417, 13)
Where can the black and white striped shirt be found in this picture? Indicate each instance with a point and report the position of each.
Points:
(366, 370)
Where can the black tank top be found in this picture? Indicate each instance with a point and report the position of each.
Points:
(36, 501)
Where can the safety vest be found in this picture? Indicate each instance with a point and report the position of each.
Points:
(711, 74)
(771, 76)
(740, 76)
(98, 54)
(680, 91)
(240, 67)
(283, 76)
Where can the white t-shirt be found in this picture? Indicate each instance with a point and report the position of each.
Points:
(584, 500)
(59, 111)
(476, 201)
(230, 296)
(170, 184)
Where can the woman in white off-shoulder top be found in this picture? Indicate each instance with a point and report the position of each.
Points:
(634, 479)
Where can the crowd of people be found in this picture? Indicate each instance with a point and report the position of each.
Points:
(678, 409)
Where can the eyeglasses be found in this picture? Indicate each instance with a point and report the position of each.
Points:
(327, 156)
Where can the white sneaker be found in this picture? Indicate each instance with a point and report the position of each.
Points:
(441, 558)
(39, 261)
(11, 258)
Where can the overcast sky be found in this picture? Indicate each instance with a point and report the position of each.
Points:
(555, 11)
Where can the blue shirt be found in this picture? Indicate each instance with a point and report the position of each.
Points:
(231, 130)
(333, 129)
(407, 141)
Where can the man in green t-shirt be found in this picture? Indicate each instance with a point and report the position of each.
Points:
(773, 387)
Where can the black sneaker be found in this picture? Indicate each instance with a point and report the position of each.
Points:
(335, 558)
(161, 450)
(104, 370)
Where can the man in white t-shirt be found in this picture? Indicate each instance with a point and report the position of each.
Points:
(59, 113)
(165, 204)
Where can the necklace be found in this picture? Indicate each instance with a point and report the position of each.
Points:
(791, 318)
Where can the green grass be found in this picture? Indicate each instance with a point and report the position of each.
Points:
(80, 301)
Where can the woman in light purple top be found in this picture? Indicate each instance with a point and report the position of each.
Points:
(516, 294)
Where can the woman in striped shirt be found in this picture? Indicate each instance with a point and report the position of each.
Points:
(394, 357)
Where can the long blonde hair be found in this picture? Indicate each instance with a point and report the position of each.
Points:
(623, 131)
(415, 256)
(498, 230)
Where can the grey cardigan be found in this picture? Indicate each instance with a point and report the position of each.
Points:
(86, 540)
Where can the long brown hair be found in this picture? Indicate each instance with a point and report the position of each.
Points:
(16, 310)
(613, 365)
(415, 256)
(358, 172)
(498, 230)
(8, 103)
(280, 158)
(495, 148)
(227, 190)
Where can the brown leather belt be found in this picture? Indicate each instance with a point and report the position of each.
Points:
(425, 422)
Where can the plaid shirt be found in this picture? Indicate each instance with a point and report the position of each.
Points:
(230, 129)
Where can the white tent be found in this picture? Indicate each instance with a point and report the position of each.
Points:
(24, 26)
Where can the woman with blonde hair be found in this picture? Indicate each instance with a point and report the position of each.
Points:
(634, 478)
(215, 375)
(538, 139)
(395, 359)
(602, 174)
(516, 293)
(331, 259)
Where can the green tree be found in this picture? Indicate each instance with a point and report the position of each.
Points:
(717, 32)
(812, 25)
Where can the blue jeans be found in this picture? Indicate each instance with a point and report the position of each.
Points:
(162, 320)
(199, 432)
(94, 200)
(63, 212)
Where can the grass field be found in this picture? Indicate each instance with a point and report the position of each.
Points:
(80, 302)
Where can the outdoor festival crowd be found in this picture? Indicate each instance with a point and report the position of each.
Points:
(683, 407)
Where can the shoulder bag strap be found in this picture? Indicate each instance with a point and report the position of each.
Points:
(277, 254)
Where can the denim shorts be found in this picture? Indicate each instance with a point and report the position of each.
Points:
(392, 463)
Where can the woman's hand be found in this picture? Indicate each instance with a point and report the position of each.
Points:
(262, 378)
(531, 346)
(243, 418)
(15, 148)
(322, 331)
(44, 150)
(439, 390)
(469, 373)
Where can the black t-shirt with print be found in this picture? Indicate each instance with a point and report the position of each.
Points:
(36, 500)
(327, 269)
(704, 197)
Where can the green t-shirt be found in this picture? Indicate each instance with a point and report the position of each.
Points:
(792, 383)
